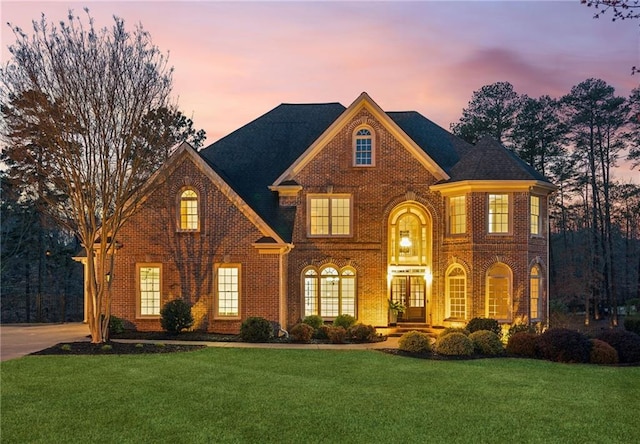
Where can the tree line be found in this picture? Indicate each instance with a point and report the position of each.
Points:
(576, 141)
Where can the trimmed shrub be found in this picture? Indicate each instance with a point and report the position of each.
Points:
(176, 316)
(632, 324)
(337, 335)
(564, 345)
(523, 344)
(486, 342)
(301, 333)
(362, 333)
(256, 329)
(477, 324)
(450, 330)
(602, 353)
(322, 332)
(626, 343)
(314, 320)
(415, 342)
(116, 325)
(454, 344)
(345, 321)
(517, 328)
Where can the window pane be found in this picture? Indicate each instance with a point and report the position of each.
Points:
(535, 289)
(457, 215)
(340, 220)
(149, 291)
(329, 293)
(364, 148)
(457, 293)
(498, 213)
(319, 216)
(348, 294)
(228, 291)
(310, 293)
(189, 210)
(535, 215)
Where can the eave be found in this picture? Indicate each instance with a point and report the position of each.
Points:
(479, 186)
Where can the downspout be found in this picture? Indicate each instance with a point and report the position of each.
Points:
(548, 274)
(283, 288)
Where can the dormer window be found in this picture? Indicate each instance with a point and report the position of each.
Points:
(188, 217)
(363, 148)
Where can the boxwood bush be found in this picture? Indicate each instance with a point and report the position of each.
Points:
(449, 330)
(362, 333)
(314, 320)
(337, 335)
(477, 324)
(486, 342)
(415, 342)
(345, 321)
(454, 344)
(564, 345)
(626, 343)
(322, 332)
(522, 344)
(176, 316)
(256, 329)
(602, 353)
(301, 333)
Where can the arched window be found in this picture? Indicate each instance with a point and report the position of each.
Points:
(363, 154)
(409, 237)
(456, 291)
(499, 292)
(535, 293)
(329, 292)
(189, 220)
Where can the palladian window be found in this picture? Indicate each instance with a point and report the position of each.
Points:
(329, 292)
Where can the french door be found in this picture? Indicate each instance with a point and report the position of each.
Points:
(411, 291)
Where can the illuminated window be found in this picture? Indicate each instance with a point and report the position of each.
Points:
(149, 290)
(330, 215)
(189, 211)
(535, 215)
(329, 293)
(535, 293)
(228, 290)
(499, 292)
(456, 291)
(498, 213)
(363, 148)
(457, 215)
(409, 237)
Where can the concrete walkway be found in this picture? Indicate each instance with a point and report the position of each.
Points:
(22, 339)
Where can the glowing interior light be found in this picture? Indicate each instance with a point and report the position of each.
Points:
(405, 242)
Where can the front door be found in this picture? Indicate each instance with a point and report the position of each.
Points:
(411, 291)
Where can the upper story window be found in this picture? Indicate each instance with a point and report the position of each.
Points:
(189, 220)
(363, 148)
(535, 216)
(499, 213)
(457, 215)
(410, 237)
(329, 215)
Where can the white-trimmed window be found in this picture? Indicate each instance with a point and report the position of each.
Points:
(329, 215)
(189, 220)
(456, 291)
(499, 213)
(363, 154)
(535, 215)
(499, 292)
(228, 290)
(457, 215)
(329, 292)
(149, 287)
(535, 293)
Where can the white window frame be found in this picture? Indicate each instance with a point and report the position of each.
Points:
(313, 228)
(357, 137)
(457, 218)
(503, 225)
(142, 308)
(233, 289)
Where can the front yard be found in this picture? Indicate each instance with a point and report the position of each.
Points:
(294, 396)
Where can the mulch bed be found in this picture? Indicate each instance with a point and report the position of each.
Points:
(114, 348)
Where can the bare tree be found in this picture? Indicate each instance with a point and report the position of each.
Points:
(81, 96)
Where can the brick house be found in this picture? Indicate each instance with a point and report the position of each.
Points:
(322, 209)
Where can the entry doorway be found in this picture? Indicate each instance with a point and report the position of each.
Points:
(410, 291)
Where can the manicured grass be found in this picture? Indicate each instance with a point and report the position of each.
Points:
(297, 396)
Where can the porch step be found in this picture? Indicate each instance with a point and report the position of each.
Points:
(403, 328)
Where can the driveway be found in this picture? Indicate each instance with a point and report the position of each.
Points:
(21, 339)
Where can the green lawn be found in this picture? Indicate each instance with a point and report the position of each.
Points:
(300, 396)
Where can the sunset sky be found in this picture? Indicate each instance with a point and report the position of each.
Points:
(235, 61)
